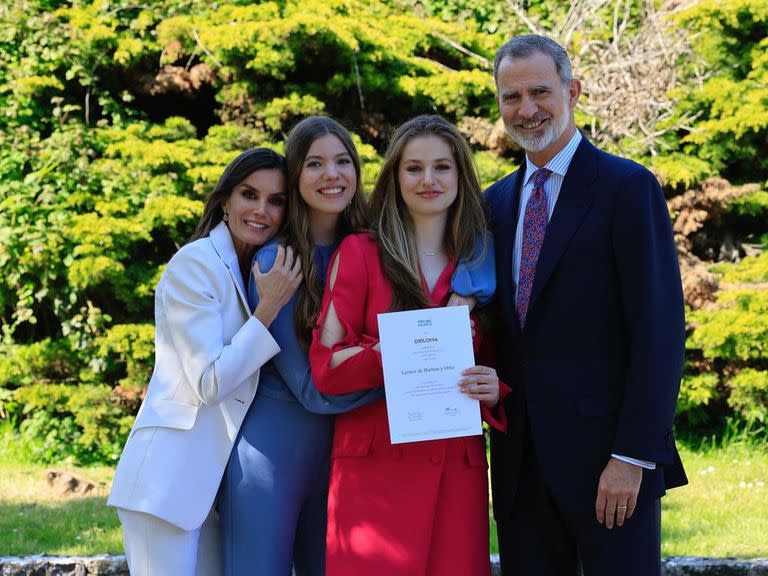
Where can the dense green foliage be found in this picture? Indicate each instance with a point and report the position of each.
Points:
(116, 118)
(731, 130)
(731, 341)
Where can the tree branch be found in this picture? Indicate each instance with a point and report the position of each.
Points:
(204, 49)
(452, 43)
(518, 9)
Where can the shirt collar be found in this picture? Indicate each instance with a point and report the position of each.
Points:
(560, 162)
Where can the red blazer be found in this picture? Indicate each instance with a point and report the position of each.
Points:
(384, 498)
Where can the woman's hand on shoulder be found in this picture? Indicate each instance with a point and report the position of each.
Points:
(481, 383)
(276, 287)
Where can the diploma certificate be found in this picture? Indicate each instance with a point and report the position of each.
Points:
(423, 353)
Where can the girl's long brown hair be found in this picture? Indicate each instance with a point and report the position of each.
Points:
(393, 226)
(354, 218)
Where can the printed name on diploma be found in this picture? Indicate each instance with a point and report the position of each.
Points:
(423, 370)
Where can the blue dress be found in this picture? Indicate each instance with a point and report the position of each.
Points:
(273, 497)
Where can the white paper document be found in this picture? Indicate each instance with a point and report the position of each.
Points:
(423, 353)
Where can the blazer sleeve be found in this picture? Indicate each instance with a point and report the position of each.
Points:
(191, 294)
(362, 371)
(497, 416)
(292, 362)
(652, 300)
(477, 277)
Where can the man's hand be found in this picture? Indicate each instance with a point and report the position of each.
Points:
(617, 492)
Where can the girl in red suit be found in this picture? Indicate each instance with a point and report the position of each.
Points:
(418, 508)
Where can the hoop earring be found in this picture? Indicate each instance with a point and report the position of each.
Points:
(226, 217)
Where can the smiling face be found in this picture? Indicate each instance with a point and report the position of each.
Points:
(535, 104)
(328, 180)
(256, 210)
(428, 176)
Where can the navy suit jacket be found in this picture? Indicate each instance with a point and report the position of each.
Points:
(597, 368)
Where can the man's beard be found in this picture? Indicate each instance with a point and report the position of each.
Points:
(552, 130)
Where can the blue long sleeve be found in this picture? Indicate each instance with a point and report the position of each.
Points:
(292, 362)
(478, 277)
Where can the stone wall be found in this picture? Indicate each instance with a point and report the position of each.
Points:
(64, 566)
(116, 566)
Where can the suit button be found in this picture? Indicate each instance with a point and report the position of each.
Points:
(436, 459)
(670, 440)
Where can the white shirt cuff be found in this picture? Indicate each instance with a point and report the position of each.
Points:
(642, 463)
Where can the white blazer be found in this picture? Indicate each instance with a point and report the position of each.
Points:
(208, 351)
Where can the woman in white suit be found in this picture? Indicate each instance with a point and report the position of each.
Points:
(208, 351)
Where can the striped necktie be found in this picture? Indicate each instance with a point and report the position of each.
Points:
(534, 227)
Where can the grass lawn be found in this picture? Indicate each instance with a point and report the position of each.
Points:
(724, 509)
(34, 520)
(722, 512)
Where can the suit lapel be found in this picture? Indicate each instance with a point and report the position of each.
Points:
(573, 204)
(222, 243)
(505, 239)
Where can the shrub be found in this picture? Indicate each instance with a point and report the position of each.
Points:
(749, 394)
(81, 423)
(696, 393)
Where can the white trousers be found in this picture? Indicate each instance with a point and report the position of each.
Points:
(154, 547)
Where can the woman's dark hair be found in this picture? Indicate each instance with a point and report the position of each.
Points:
(354, 218)
(238, 170)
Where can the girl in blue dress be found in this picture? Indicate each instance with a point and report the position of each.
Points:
(273, 496)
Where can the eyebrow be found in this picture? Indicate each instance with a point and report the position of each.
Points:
(537, 87)
(421, 161)
(319, 157)
(244, 186)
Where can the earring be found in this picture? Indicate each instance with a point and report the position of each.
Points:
(226, 217)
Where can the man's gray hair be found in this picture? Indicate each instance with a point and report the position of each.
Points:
(524, 46)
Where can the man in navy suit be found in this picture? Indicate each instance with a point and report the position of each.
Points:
(591, 338)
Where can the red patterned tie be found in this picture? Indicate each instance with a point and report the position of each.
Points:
(534, 228)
